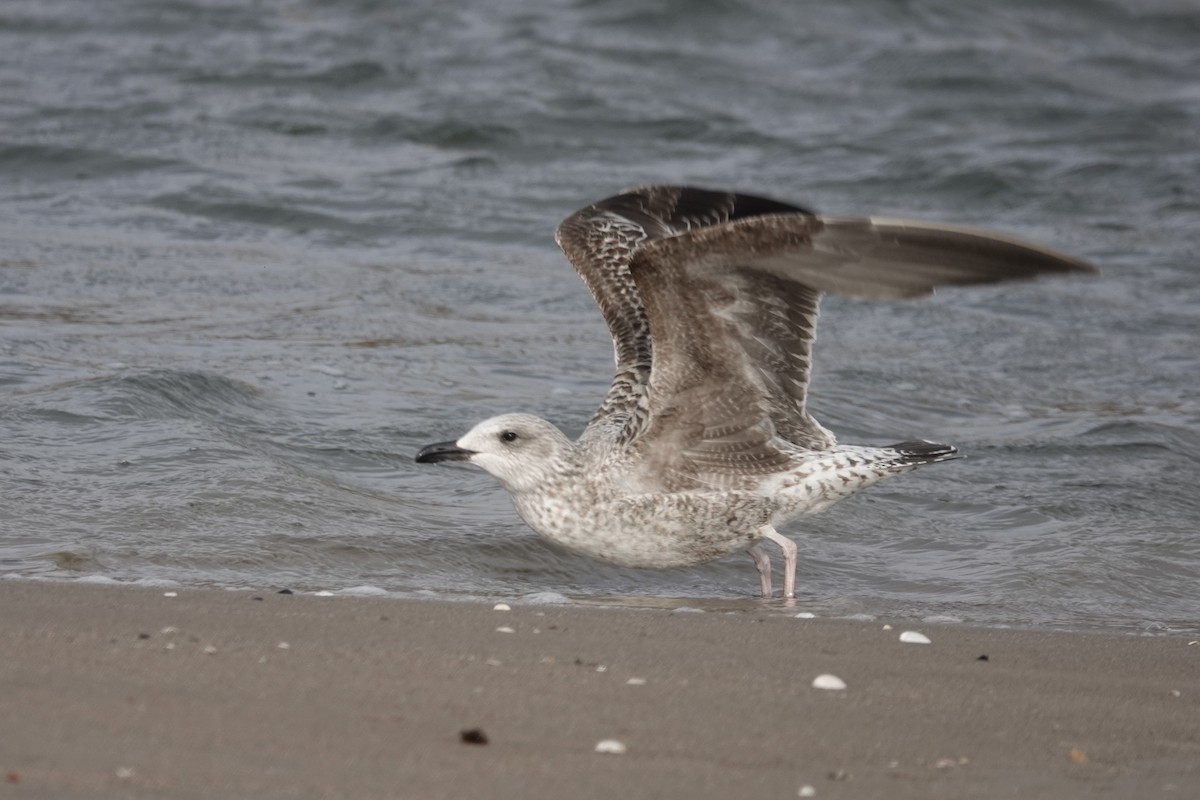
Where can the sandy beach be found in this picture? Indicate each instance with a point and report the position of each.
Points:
(126, 692)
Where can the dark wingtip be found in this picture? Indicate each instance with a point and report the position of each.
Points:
(922, 452)
(442, 451)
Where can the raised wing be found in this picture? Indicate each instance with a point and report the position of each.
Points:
(600, 240)
(732, 310)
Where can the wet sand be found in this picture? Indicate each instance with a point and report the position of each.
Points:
(124, 692)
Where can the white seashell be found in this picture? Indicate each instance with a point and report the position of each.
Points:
(912, 637)
(170, 594)
(827, 681)
(504, 629)
(806, 791)
(806, 615)
(636, 682)
(610, 746)
(502, 607)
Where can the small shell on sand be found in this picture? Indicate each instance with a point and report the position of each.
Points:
(502, 607)
(913, 637)
(830, 682)
(611, 746)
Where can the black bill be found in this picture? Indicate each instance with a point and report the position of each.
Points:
(443, 451)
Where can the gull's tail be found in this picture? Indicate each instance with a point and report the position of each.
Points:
(839, 473)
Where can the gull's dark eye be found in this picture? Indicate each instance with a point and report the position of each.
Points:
(509, 436)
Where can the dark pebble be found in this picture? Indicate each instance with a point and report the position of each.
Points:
(284, 591)
(143, 636)
(473, 736)
(256, 598)
(982, 658)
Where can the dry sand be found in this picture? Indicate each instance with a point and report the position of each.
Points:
(123, 692)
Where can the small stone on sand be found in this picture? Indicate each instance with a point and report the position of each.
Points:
(473, 736)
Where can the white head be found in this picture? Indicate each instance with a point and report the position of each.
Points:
(520, 450)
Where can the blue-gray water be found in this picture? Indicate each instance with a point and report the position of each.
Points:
(253, 255)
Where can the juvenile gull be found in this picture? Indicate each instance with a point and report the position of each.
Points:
(703, 444)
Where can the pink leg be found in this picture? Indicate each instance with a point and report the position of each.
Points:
(789, 558)
(762, 563)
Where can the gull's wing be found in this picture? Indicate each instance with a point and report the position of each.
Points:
(732, 309)
(600, 240)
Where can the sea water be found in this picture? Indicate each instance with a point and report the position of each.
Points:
(254, 255)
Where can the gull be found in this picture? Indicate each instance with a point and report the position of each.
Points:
(703, 445)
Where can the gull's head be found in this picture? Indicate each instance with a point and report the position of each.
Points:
(520, 450)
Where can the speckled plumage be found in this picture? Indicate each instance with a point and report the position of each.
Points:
(703, 443)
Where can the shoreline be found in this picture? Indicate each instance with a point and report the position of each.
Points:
(121, 691)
